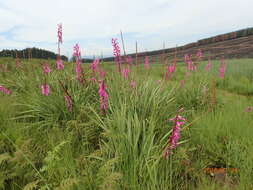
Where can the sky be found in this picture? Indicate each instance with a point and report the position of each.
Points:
(93, 23)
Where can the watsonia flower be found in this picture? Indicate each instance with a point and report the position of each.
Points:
(46, 68)
(190, 65)
(94, 65)
(222, 69)
(102, 74)
(103, 97)
(5, 90)
(59, 33)
(199, 54)
(208, 66)
(129, 60)
(125, 72)
(78, 69)
(170, 70)
(146, 62)
(69, 102)
(59, 63)
(175, 136)
(45, 89)
(116, 53)
(67, 97)
(77, 52)
(79, 72)
(186, 58)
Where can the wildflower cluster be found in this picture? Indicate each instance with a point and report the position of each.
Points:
(5, 90)
(116, 53)
(78, 69)
(174, 138)
(103, 97)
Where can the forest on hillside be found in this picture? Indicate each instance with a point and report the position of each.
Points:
(29, 53)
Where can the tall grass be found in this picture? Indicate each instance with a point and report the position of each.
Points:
(43, 145)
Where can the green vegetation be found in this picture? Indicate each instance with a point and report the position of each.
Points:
(29, 53)
(44, 146)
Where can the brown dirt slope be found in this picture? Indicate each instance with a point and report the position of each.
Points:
(235, 48)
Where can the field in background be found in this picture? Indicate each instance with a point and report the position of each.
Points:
(45, 146)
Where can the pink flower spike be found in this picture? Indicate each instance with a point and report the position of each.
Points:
(186, 58)
(78, 68)
(59, 64)
(208, 66)
(69, 102)
(103, 97)
(102, 74)
(46, 69)
(199, 54)
(190, 65)
(146, 63)
(116, 53)
(170, 70)
(94, 65)
(59, 33)
(45, 89)
(77, 51)
(175, 136)
(129, 60)
(79, 73)
(222, 69)
(177, 118)
(125, 72)
(5, 90)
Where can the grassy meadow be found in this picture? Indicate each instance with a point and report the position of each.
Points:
(44, 145)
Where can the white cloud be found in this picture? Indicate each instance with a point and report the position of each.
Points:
(93, 23)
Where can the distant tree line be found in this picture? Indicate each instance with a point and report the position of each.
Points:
(29, 53)
(84, 60)
(219, 38)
